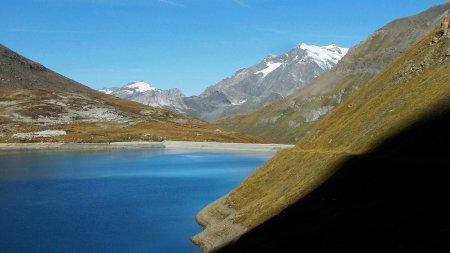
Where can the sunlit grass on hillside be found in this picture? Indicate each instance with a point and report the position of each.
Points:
(93, 117)
(288, 120)
(414, 87)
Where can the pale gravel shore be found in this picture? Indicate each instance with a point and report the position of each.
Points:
(219, 146)
(174, 145)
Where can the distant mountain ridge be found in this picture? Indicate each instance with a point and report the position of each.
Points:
(287, 120)
(130, 88)
(144, 93)
(40, 105)
(248, 89)
(274, 78)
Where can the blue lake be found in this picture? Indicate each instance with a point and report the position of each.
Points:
(111, 201)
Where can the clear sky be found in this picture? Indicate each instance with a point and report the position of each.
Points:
(188, 44)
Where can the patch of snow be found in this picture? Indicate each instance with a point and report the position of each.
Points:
(106, 91)
(140, 86)
(334, 47)
(240, 102)
(44, 134)
(323, 56)
(271, 66)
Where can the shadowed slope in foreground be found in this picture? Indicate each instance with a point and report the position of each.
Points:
(393, 199)
(411, 89)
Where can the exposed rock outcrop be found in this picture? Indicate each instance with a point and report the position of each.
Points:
(444, 30)
(445, 26)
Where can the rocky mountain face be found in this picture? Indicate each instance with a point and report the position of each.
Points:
(39, 105)
(144, 93)
(371, 176)
(272, 79)
(287, 120)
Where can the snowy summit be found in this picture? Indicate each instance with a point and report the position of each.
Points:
(140, 86)
(324, 55)
(144, 93)
(132, 88)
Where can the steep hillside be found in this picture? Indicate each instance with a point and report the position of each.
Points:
(17, 71)
(392, 199)
(415, 87)
(287, 120)
(37, 104)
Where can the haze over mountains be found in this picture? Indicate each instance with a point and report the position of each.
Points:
(274, 78)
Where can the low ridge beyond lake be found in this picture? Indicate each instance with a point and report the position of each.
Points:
(111, 201)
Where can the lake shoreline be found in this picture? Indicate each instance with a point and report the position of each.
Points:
(175, 145)
(117, 200)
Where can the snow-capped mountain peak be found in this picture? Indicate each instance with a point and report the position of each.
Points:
(140, 86)
(144, 93)
(324, 55)
(130, 89)
(325, 58)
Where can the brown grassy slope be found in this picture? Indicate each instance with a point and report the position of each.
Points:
(32, 110)
(417, 84)
(34, 98)
(287, 120)
(17, 71)
(386, 106)
(392, 199)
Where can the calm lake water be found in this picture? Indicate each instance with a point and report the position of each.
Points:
(111, 201)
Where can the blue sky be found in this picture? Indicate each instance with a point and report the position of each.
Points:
(188, 44)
